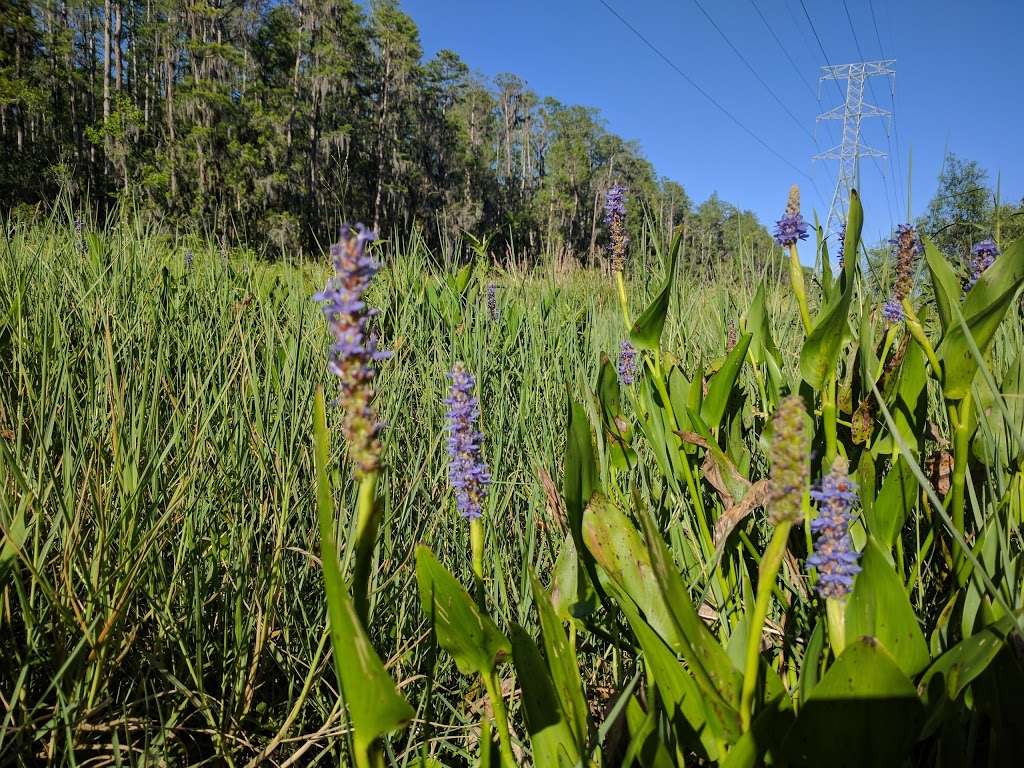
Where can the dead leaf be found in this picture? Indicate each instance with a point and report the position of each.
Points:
(756, 496)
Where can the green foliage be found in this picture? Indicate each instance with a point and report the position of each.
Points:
(161, 498)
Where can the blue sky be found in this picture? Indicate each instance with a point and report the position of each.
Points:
(956, 63)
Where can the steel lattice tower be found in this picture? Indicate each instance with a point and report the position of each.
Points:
(852, 112)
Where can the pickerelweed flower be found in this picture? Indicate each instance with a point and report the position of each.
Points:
(983, 254)
(467, 471)
(791, 227)
(892, 312)
(788, 453)
(615, 220)
(354, 351)
(834, 557)
(492, 301)
(627, 363)
(907, 247)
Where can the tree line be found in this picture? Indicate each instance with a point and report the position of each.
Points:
(271, 121)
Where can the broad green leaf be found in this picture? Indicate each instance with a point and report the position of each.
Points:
(617, 547)
(618, 431)
(863, 712)
(908, 403)
(550, 736)
(880, 607)
(945, 284)
(999, 435)
(460, 280)
(572, 594)
(679, 693)
(469, 635)
(893, 505)
(565, 672)
(646, 331)
(646, 747)
(851, 240)
(983, 311)
(700, 648)
(374, 703)
(580, 479)
(830, 329)
(960, 665)
(721, 385)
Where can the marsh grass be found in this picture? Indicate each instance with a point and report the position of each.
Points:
(162, 600)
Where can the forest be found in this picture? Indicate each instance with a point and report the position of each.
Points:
(269, 123)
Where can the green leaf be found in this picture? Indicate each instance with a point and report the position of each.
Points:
(645, 745)
(701, 649)
(830, 329)
(960, 665)
(762, 343)
(945, 285)
(893, 505)
(999, 436)
(880, 607)
(983, 311)
(618, 431)
(374, 703)
(580, 479)
(617, 547)
(863, 712)
(469, 635)
(851, 240)
(565, 672)
(550, 736)
(460, 280)
(721, 385)
(646, 331)
(678, 691)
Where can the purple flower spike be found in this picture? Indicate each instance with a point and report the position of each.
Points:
(354, 351)
(615, 220)
(627, 363)
(983, 254)
(892, 312)
(791, 227)
(834, 557)
(467, 471)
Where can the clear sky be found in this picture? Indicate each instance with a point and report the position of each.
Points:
(958, 85)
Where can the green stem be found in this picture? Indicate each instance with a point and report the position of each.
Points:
(476, 548)
(369, 756)
(766, 573)
(796, 277)
(620, 285)
(500, 720)
(961, 450)
(367, 523)
(828, 416)
(890, 337)
(917, 331)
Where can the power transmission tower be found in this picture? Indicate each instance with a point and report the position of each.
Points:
(852, 112)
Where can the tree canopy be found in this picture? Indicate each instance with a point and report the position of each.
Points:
(272, 121)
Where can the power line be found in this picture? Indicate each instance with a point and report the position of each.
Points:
(753, 71)
(693, 84)
(799, 73)
(871, 86)
(892, 98)
(784, 49)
